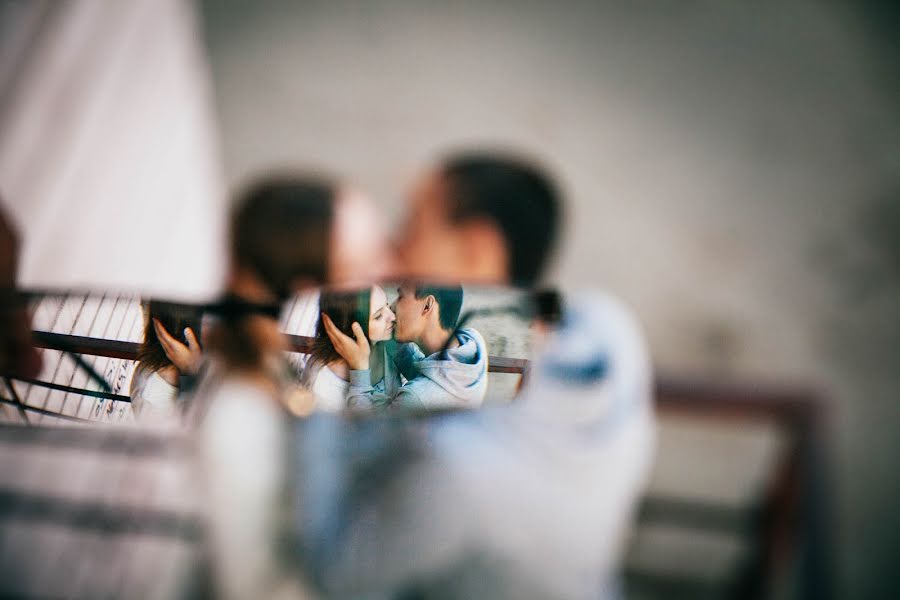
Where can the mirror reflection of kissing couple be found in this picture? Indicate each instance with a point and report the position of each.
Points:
(410, 356)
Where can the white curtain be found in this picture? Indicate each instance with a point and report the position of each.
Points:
(109, 158)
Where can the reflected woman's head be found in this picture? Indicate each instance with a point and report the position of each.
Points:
(381, 316)
(367, 306)
(297, 231)
(280, 241)
(281, 232)
(290, 232)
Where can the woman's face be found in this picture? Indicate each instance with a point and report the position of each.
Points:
(381, 317)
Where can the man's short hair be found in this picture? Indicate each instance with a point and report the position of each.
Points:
(516, 196)
(449, 299)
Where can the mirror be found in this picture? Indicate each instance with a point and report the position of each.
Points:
(94, 344)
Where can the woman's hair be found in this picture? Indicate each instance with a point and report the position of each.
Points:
(175, 318)
(343, 308)
(281, 231)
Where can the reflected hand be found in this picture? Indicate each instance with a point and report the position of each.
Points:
(185, 358)
(355, 351)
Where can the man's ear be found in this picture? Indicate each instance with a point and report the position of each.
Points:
(429, 304)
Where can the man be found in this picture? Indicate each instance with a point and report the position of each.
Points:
(444, 367)
(480, 218)
(532, 500)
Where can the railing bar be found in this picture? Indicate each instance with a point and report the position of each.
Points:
(86, 345)
(70, 327)
(128, 350)
(91, 368)
(137, 320)
(15, 398)
(91, 372)
(784, 404)
(80, 363)
(69, 389)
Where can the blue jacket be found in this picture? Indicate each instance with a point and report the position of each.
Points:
(453, 378)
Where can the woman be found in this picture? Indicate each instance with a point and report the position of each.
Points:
(326, 374)
(154, 383)
(288, 234)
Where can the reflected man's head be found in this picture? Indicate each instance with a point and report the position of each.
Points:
(423, 309)
(481, 217)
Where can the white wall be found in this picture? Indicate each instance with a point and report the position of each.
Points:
(108, 155)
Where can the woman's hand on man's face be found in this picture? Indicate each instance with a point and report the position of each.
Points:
(355, 351)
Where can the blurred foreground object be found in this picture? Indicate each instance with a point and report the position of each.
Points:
(725, 515)
(484, 216)
(281, 232)
(90, 513)
(531, 500)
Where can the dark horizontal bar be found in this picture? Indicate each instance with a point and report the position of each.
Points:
(74, 390)
(674, 584)
(791, 405)
(300, 343)
(41, 411)
(693, 395)
(128, 350)
(501, 364)
(86, 345)
(94, 516)
(697, 514)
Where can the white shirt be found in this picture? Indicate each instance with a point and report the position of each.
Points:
(152, 397)
(330, 391)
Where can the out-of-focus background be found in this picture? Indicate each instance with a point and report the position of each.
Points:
(732, 172)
